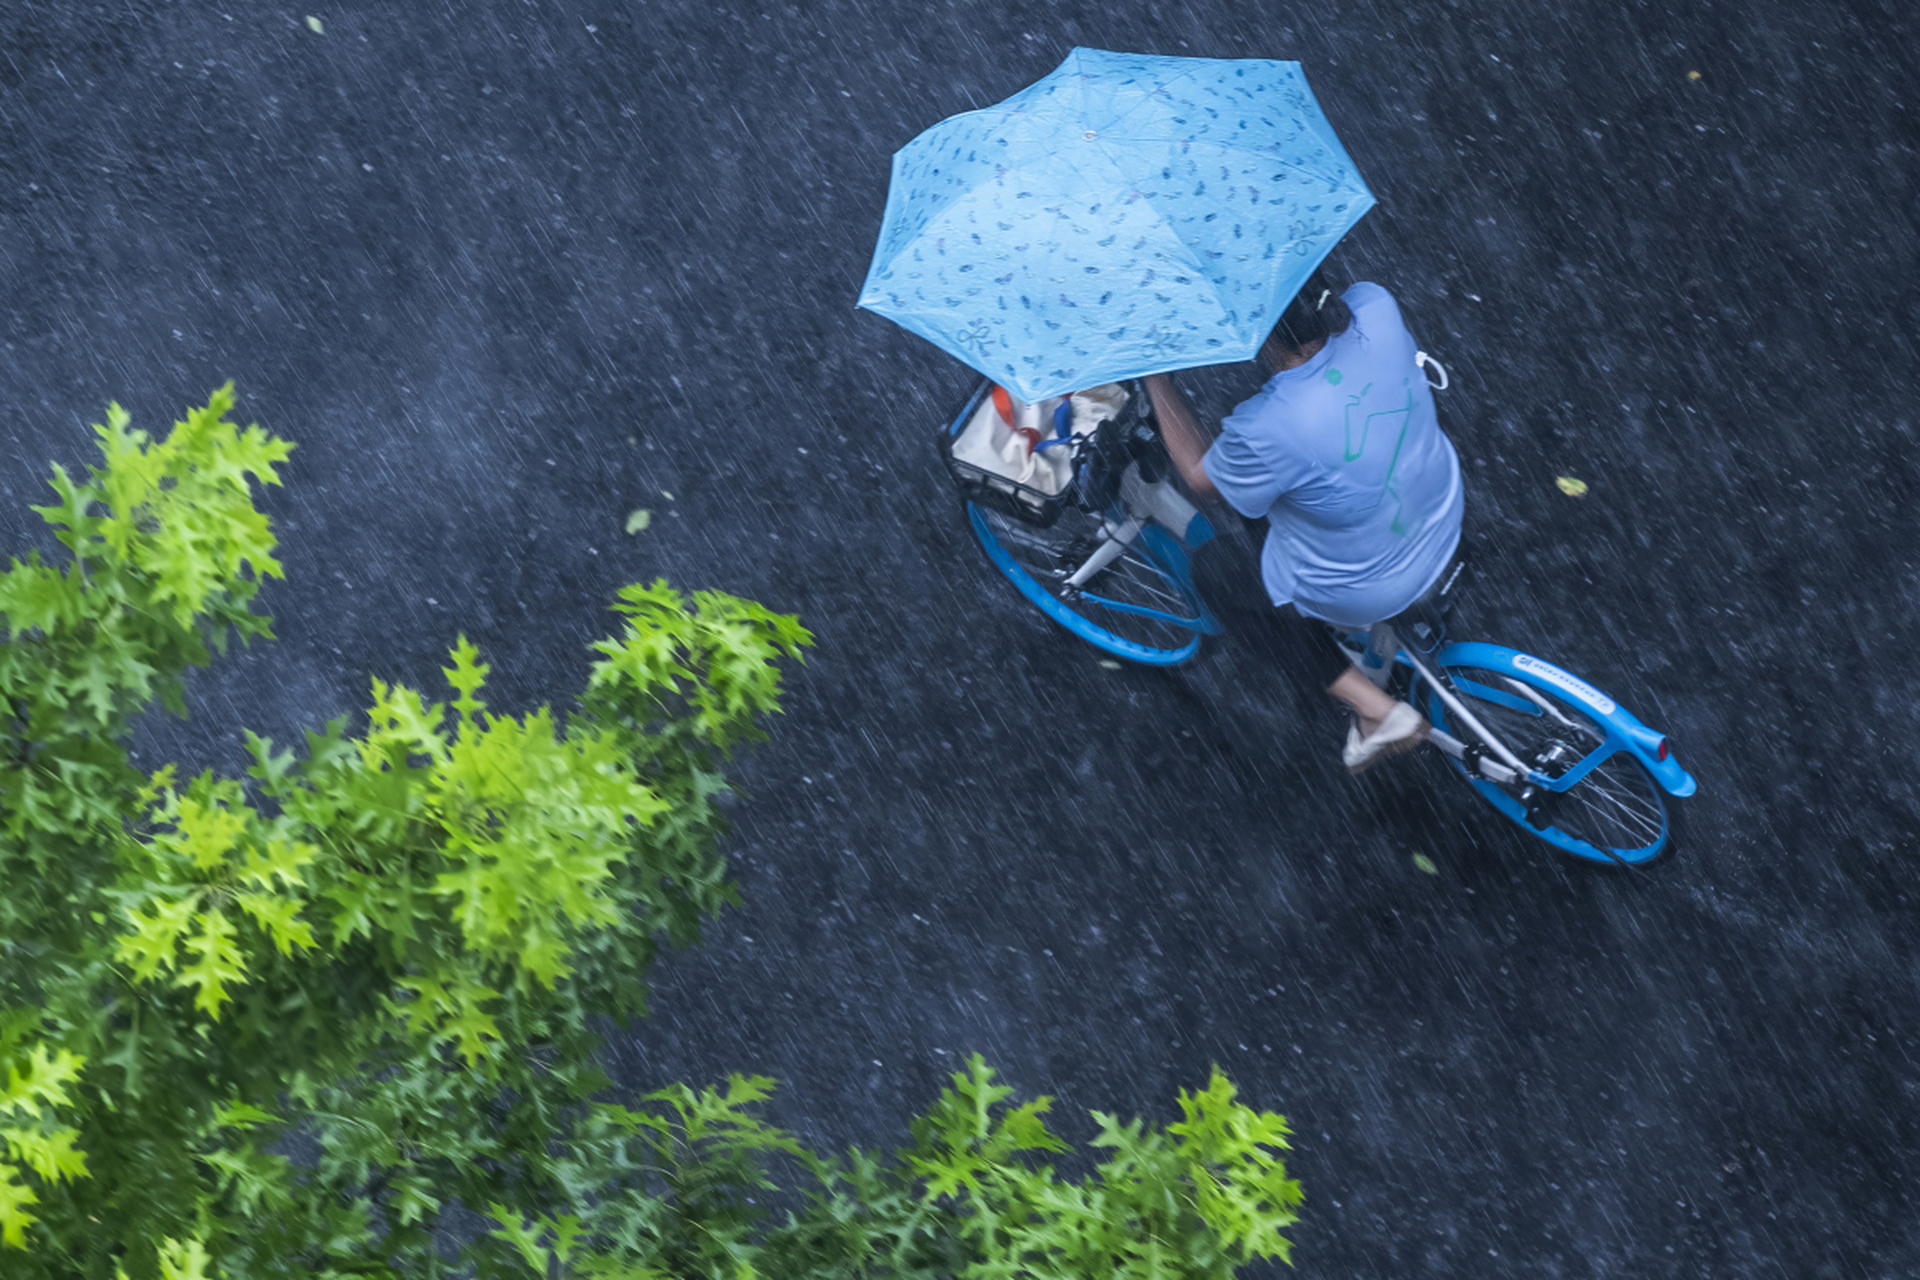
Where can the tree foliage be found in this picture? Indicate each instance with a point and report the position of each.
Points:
(676, 1188)
(385, 954)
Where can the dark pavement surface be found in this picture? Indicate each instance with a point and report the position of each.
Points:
(507, 271)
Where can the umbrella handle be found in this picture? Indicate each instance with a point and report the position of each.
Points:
(1421, 359)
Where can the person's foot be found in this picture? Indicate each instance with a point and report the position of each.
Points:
(1401, 730)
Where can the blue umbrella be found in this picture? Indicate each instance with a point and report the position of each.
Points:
(1125, 215)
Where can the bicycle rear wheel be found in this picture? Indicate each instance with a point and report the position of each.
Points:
(1615, 812)
(1142, 607)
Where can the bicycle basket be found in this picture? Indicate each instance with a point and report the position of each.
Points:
(1003, 493)
(1100, 458)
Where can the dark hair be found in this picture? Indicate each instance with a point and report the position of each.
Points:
(1316, 312)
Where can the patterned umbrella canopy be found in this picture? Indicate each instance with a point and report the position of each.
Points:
(1125, 215)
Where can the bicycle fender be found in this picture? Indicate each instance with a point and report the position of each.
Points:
(1621, 723)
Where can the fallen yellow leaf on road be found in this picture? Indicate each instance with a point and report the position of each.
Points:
(639, 520)
(1571, 487)
(1424, 863)
(313, 25)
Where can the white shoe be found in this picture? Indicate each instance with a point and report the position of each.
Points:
(1402, 730)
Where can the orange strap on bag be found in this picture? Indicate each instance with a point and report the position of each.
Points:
(1004, 404)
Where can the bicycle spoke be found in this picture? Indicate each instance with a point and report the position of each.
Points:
(1147, 580)
(1132, 581)
(1612, 801)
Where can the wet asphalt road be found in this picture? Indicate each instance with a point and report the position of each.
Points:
(508, 271)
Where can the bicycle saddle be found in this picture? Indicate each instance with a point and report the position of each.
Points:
(1423, 624)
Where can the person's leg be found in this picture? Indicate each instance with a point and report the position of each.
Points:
(1368, 702)
(1382, 726)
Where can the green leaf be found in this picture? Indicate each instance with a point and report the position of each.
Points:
(1025, 1131)
(98, 680)
(357, 909)
(219, 963)
(51, 1155)
(71, 512)
(278, 864)
(254, 1179)
(450, 1011)
(150, 947)
(34, 597)
(158, 784)
(471, 1028)
(241, 1115)
(279, 918)
(185, 1260)
(207, 832)
(606, 1267)
(467, 676)
(14, 1218)
(401, 717)
(523, 1237)
(975, 1094)
(1240, 1183)
(270, 767)
(43, 1081)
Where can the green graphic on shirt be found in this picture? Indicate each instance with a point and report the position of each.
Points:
(1355, 448)
(1333, 377)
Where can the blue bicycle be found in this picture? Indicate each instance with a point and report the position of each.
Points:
(1108, 558)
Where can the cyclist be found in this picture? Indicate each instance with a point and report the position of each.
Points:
(1341, 452)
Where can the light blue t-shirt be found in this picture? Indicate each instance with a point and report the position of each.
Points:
(1345, 458)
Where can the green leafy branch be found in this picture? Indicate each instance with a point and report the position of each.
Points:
(684, 683)
(31, 1135)
(1240, 1187)
(167, 549)
(167, 553)
(1193, 1201)
(393, 930)
(516, 826)
(717, 660)
(1203, 1197)
(212, 860)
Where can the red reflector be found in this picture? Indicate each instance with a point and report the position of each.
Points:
(1660, 752)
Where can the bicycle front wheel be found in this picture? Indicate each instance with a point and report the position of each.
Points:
(1614, 812)
(1139, 607)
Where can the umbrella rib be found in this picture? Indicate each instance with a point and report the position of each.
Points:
(1185, 73)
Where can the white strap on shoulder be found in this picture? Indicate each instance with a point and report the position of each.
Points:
(1421, 360)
